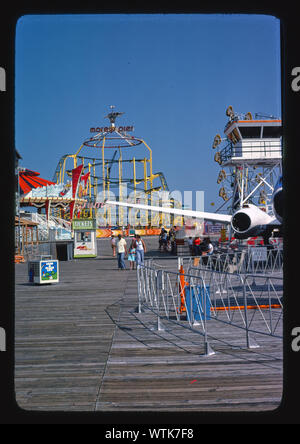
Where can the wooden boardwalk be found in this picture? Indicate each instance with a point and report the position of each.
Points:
(81, 346)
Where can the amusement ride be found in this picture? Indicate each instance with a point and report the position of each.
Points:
(118, 164)
(251, 160)
(112, 163)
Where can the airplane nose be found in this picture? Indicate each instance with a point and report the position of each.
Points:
(278, 204)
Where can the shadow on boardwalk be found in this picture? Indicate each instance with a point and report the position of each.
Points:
(81, 346)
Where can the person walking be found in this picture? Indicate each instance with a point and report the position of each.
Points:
(197, 248)
(190, 244)
(113, 245)
(140, 250)
(122, 251)
(162, 237)
(172, 237)
(207, 247)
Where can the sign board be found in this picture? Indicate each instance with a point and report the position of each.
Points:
(111, 129)
(48, 271)
(259, 254)
(83, 224)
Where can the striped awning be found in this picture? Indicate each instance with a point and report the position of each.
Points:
(29, 179)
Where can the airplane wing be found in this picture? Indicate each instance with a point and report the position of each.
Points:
(225, 218)
(274, 222)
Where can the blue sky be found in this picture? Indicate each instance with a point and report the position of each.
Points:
(172, 75)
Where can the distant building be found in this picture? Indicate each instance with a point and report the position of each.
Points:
(17, 158)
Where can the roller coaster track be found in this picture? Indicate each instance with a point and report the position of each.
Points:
(60, 171)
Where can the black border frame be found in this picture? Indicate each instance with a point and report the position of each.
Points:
(288, 412)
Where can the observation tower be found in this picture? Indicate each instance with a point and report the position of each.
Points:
(250, 157)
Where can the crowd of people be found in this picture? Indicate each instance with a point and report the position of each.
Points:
(200, 247)
(135, 252)
(197, 247)
(167, 242)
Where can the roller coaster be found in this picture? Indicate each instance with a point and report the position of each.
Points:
(122, 168)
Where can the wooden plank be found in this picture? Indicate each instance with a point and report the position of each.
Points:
(80, 346)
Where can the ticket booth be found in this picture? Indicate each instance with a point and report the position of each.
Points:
(85, 243)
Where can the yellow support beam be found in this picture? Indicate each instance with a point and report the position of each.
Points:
(121, 212)
(63, 169)
(134, 187)
(146, 188)
(103, 169)
(150, 161)
(95, 181)
(90, 190)
(108, 210)
(78, 151)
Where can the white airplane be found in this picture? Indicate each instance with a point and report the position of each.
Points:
(246, 222)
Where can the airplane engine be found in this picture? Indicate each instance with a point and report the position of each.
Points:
(278, 202)
(249, 221)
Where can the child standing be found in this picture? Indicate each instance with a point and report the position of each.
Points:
(131, 254)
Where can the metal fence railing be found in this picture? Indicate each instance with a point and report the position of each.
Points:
(255, 260)
(204, 297)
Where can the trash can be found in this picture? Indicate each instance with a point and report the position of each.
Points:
(195, 302)
(44, 271)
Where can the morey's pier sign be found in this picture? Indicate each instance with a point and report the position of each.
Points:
(110, 129)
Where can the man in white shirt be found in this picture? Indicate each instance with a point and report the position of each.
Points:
(121, 250)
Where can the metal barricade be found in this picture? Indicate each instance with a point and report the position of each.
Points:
(258, 259)
(206, 296)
